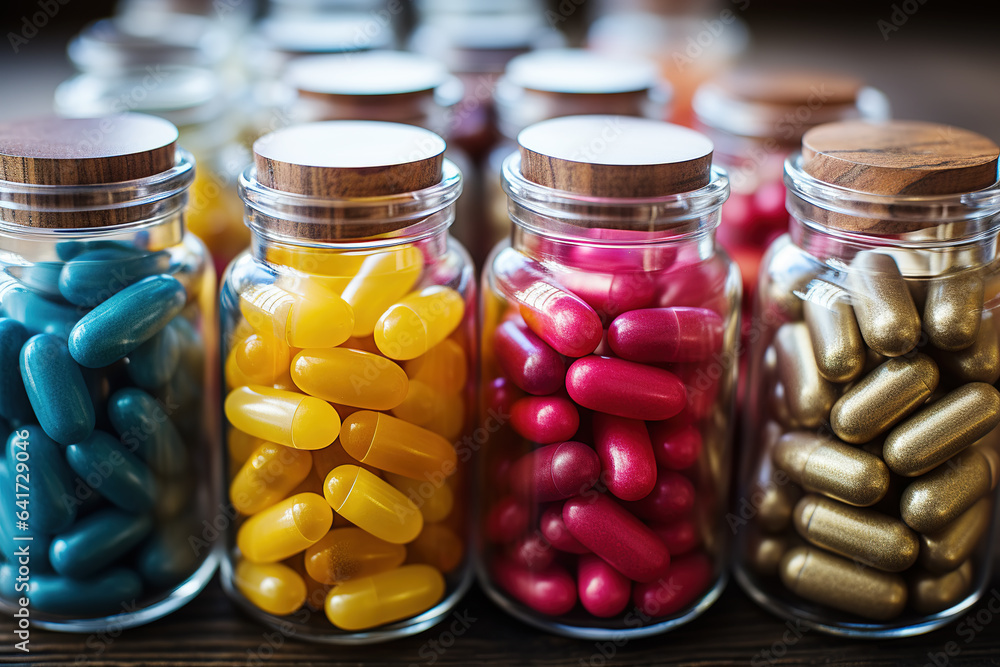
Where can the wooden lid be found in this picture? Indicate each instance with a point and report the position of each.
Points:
(367, 74)
(900, 157)
(346, 158)
(789, 87)
(615, 156)
(86, 151)
(581, 72)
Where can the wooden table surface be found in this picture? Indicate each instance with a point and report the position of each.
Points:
(210, 631)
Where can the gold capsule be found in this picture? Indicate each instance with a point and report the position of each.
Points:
(979, 362)
(827, 466)
(839, 583)
(774, 511)
(778, 407)
(810, 396)
(883, 304)
(949, 547)
(936, 499)
(836, 339)
(788, 272)
(943, 429)
(864, 535)
(931, 593)
(883, 398)
(953, 309)
(764, 553)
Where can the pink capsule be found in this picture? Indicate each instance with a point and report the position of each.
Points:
(676, 444)
(680, 536)
(551, 591)
(545, 419)
(688, 577)
(699, 284)
(656, 335)
(506, 521)
(533, 552)
(501, 394)
(626, 456)
(625, 388)
(527, 360)
(701, 381)
(555, 472)
(611, 293)
(603, 590)
(671, 498)
(611, 532)
(556, 532)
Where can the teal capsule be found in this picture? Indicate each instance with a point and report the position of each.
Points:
(13, 399)
(113, 471)
(97, 541)
(36, 313)
(42, 278)
(153, 363)
(47, 479)
(67, 250)
(56, 389)
(175, 495)
(167, 558)
(125, 321)
(146, 429)
(15, 538)
(113, 591)
(96, 275)
(192, 346)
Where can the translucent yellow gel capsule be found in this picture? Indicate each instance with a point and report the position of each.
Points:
(443, 367)
(234, 376)
(422, 402)
(318, 261)
(285, 529)
(449, 419)
(435, 499)
(240, 332)
(365, 603)
(272, 587)
(437, 545)
(285, 417)
(418, 322)
(315, 591)
(350, 553)
(262, 358)
(380, 282)
(268, 475)
(351, 377)
(241, 445)
(397, 446)
(372, 504)
(320, 319)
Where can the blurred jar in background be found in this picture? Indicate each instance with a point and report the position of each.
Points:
(562, 82)
(233, 16)
(193, 99)
(691, 40)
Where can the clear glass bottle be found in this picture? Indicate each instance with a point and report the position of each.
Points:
(870, 426)
(610, 324)
(349, 339)
(107, 327)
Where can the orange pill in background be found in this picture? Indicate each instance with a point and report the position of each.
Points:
(372, 504)
(352, 377)
(268, 475)
(437, 545)
(287, 528)
(444, 367)
(382, 598)
(285, 417)
(349, 553)
(435, 500)
(271, 587)
(397, 446)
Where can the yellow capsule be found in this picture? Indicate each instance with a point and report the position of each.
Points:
(418, 322)
(328, 458)
(351, 553)
(867, 536)
(422, 402)
(836, 339)
(285, 417)
(827, 466)
(435, 500)
(931, 593)
(978, 363)
(240, 332)
(317, 261)
(953, 310)
(437, 545)
(315, 591)
(234, 376)
(837, 582)
(271, 587)
(319, 319)
(936, 499)
(943, 429)
(372, 601)
(381, 281)
(883, 304)
(443, 367)
(268, 475)
(241, 445)
(449, 419)
(397, 446)
(810, 396)
(285, 529)
(372, 504)
(351, 377)
(764, 553)
(946, 549)
(883, 398)
(262, 358)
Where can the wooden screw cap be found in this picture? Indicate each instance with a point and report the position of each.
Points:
(615, 156)
(900, 157)
(789, 87)
(346, 158)
(581, 72)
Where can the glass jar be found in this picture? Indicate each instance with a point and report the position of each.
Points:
(550, 83)
(870, 422)
(610, 324)
(349, 334)
(107, 326)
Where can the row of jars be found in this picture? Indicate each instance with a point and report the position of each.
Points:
(562, 428)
